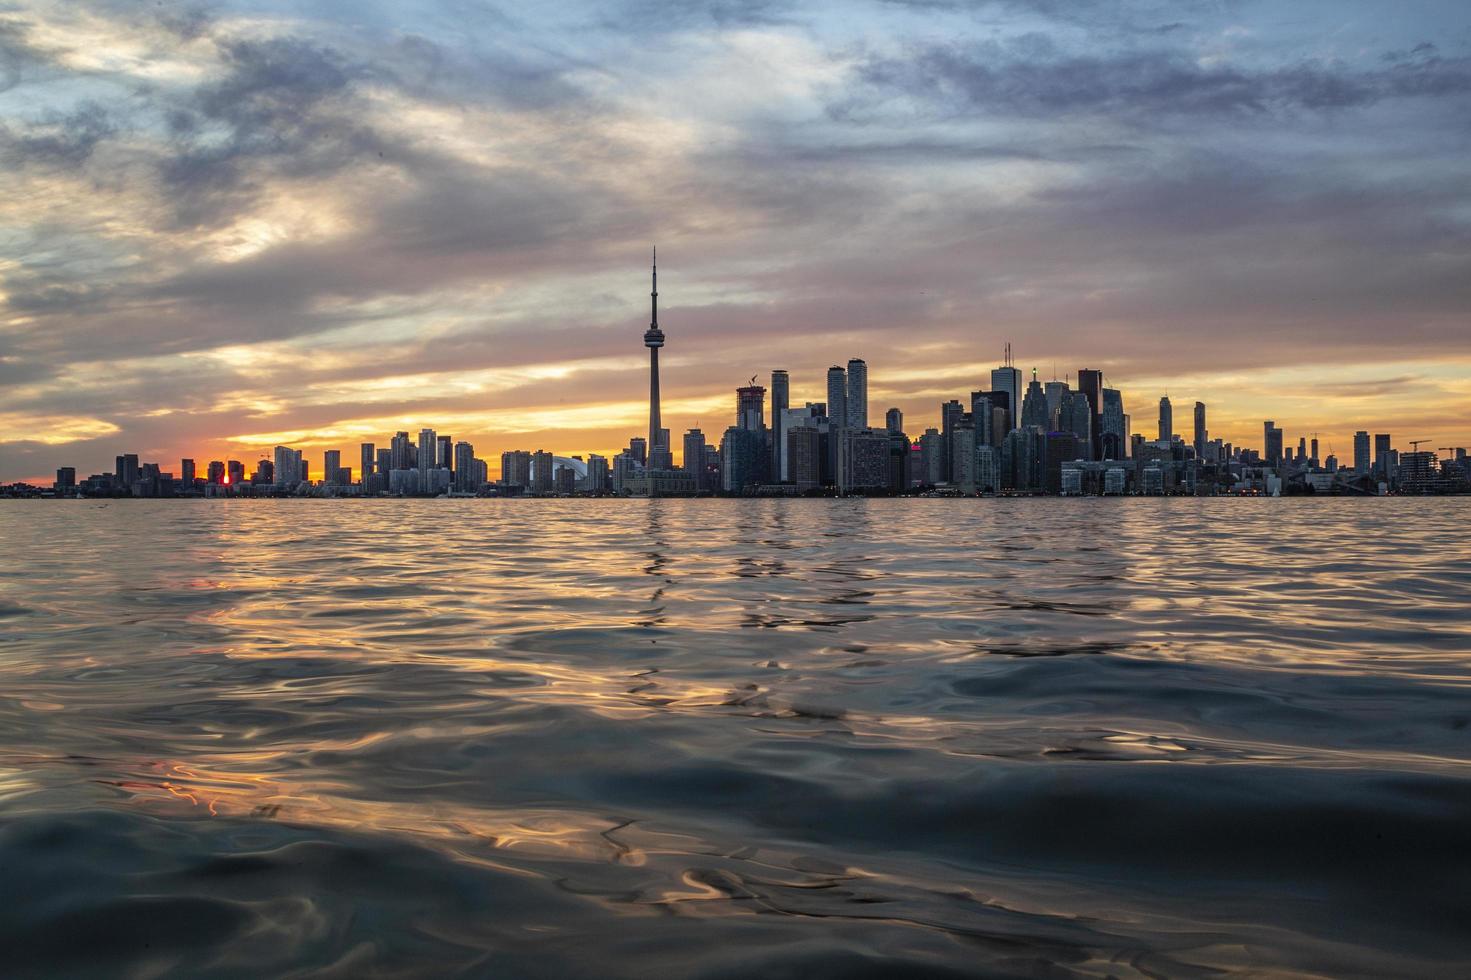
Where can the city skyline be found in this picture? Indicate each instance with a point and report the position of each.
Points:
(847, 406)
(273, 224)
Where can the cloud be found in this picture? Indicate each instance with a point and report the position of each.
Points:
(238, 222)
(1030, 76)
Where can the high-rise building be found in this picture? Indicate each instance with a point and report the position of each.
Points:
(288, 469)
(464, 468)
(963, 455)
(855, 412)
(740, 459)
(1034, 405)
(781, 392)
(1112, 427)
(894, 420)
(837, 397)
(863, 460)
(66, 479)
(1166, 420)
(1382, 450)
(428, 452)
(597, 474)
(653, 340)
(751, 408)
(186, 473)
(1090, 383)
(1201, 435)
(215, 471)
(516, 469)
(542, 475)
(367, 462)
(1361, 451)
(444, 457)
(234, 472)
(401, 452)
(951, 413)
(1077, 417)
(331, 463)
(1271, 443)
(127, 471)
(1313, 451)
(1055, 391)
(693, 461)
(804, 456)
(1008, 380)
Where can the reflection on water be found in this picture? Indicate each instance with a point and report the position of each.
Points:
(730, 738)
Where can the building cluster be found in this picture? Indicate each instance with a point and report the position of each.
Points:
(1011, 436)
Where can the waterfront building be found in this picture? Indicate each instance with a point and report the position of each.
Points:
(1361, 451)
(1056, 391)
(1166, 420)
(542, 474)
(863, 460)
(428, 448)
(1034, 405)
(693, 460)
(855, 409)
(331, 463)
(367, 462)
(1271, 443)
(837, 397)
(894, 420)
(741, 452)
(781, 393)
(1090, 383)
(464, 468)
(1202, 437)
(1008, 381)
(186, 473)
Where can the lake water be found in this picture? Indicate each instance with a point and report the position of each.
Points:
(806, 738)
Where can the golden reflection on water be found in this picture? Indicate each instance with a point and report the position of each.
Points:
(723, 709)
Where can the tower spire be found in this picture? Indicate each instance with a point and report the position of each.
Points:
(654, 294)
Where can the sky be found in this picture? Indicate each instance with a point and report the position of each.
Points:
(227, 226)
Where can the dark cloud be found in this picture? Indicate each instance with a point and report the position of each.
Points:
(1029, 77)
(57, 140)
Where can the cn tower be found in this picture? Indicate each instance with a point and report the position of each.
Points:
(653, 340)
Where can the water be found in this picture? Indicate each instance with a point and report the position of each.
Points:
(1053, 738)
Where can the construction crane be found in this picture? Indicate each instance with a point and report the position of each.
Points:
(1416, 443)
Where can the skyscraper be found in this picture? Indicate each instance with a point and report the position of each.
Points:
(1166, 420)
(951, 413)
(751, 408)
(1034, 405)
(400, 452)
(186, 473)
(1008, 379)
(780, 401)
(367, 459)
(1055, 391)
(894, 420)
(444, 457)
(331, 463)
(1271, 443)
(694, 454)
(1111, 429)
(855, 415)
(837, 397)
(1090, 383)
(464, 467)
(1361, 451)
(1381, 454)
(653, 340)
(1201, 436)
(428, 447)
